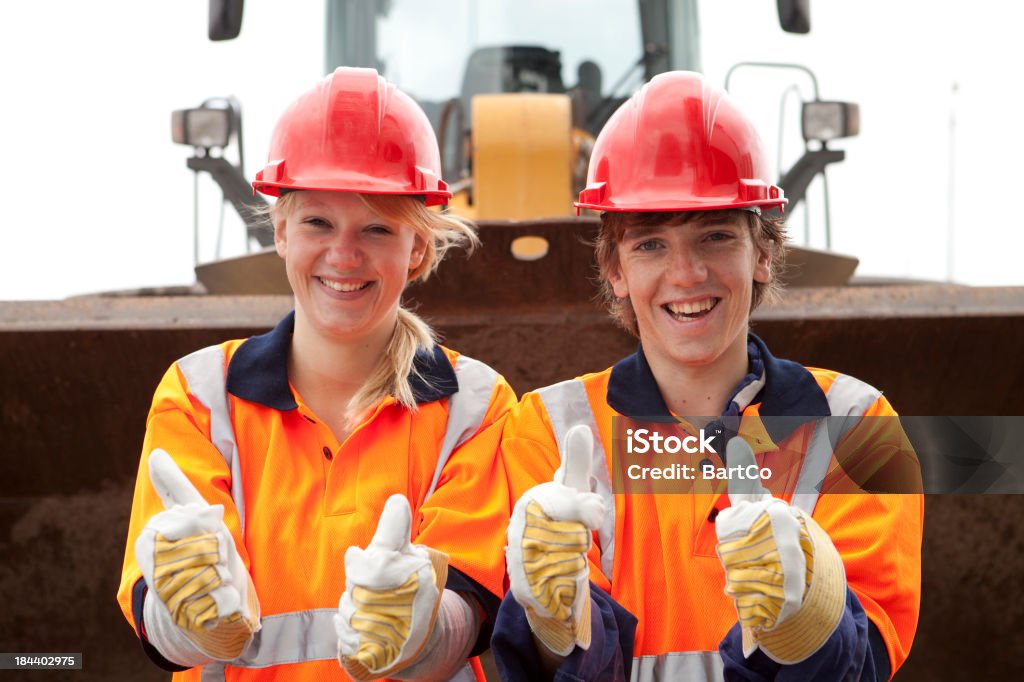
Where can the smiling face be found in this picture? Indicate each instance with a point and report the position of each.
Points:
(346, 264)
(690, 286)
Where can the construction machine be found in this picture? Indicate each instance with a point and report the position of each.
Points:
(516, 100)
(516, 106)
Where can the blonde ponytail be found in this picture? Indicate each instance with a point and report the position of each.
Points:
(391, 375)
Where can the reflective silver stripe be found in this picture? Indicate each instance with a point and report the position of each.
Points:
(466, 409)
(848, 400)
(295, 638)
(292, 638)
(813, 467)
(204, 371)
(465, 674)
(850, 397)
(567, 405)
(213, 672)
(688, 665)
(285, 638)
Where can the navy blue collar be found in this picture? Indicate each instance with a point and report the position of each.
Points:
(258, 371)
(789, 391)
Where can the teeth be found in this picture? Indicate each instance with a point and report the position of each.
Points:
(691, 308)
(338, 286)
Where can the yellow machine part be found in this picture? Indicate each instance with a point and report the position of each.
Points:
(522, 156)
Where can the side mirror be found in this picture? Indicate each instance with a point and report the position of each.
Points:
(225, 19)
(794, 15)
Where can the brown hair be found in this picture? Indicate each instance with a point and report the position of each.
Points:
(440, 231)
(767, 232)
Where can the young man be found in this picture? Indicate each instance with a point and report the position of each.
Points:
(810, 584)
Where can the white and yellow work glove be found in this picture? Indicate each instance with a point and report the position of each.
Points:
(392, 591)
(189, 560)
(781, 569)
(548, 539)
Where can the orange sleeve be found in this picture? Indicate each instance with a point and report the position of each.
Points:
(530, 457)
(467, 515)
(879, 535)
(180, 425)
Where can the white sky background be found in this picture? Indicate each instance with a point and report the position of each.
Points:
(98, 198)
(101, 197)
(901, 60)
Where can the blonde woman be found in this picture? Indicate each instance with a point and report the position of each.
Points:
(326, 493)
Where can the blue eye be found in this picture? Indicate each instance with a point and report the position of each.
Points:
(718, 236)
(648, 245)
(378, 229)
(316, 222)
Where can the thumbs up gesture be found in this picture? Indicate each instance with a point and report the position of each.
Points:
(548, 540)
(189, 560)
(781, 569)
(392, 591)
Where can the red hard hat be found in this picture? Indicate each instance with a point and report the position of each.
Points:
(679, 144)
(354, 132)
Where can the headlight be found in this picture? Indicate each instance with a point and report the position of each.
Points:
(203, 127)
(826, 121)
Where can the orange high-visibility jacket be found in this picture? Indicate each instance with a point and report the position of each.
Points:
(295, 498)
(656, 553)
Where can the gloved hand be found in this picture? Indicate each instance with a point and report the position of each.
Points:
(781, 569)
(189, 560)
(548, 539)
(392, 591)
